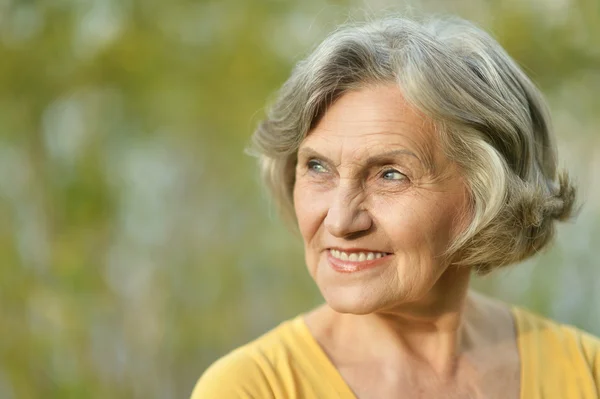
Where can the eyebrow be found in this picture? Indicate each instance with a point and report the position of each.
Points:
(373, 160)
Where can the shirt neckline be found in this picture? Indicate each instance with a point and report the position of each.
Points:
(338, 383)
(332, 374)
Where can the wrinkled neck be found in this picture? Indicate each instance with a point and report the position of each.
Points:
(434, 331)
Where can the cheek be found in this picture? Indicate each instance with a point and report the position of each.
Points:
(309, 214)
(308, 210)
(415, 223)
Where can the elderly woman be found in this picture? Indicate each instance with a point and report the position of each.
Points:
(412, 154)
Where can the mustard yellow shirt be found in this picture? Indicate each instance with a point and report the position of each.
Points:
(557, 362)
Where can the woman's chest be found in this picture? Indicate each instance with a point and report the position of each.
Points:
(498, 382)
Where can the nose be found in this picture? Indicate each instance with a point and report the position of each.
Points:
(346, 215)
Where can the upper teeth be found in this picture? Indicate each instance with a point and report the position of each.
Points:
(356, 256)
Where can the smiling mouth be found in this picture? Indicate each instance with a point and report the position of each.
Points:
(355, 261)
(356, 256)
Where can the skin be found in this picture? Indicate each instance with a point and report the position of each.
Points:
(371, 175)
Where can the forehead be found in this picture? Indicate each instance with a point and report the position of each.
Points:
(372, 119)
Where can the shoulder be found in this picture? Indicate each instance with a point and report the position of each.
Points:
(530, 323)
(557, 349)
(254, 370)
(236, 375)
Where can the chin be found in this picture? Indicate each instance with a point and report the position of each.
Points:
(352, 301)
(359, 294)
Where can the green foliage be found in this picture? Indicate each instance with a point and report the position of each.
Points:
(136, 242)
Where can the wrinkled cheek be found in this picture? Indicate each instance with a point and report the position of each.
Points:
(308, 208)
(305, 222)
(312, 262)
(309, 217)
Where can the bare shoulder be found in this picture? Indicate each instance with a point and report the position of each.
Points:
(323, 325)
(493, 316)
(489, 303)
(320, 321)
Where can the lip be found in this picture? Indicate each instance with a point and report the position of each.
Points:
(352, 250)
(346, 266)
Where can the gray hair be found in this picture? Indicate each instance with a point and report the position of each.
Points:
(490, 119)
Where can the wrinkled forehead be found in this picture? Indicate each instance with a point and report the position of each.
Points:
(373, 120)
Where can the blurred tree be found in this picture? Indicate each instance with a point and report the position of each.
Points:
(136, 241)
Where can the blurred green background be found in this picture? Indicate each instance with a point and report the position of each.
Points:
(137, 245)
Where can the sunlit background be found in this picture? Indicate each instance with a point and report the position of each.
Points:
(137, 245)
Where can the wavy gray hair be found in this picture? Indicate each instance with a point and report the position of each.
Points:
(490, 119)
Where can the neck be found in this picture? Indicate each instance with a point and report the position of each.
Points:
(434, 331)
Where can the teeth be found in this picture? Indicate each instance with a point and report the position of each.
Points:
(356, 256)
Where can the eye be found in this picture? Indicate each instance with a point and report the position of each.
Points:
(392, 174)
(315, 166)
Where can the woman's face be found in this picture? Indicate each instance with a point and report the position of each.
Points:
(377, 202)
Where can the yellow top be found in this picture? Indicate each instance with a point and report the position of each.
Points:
(557, 362)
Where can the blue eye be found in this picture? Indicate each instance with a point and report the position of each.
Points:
(393, 174)
(315, 166)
